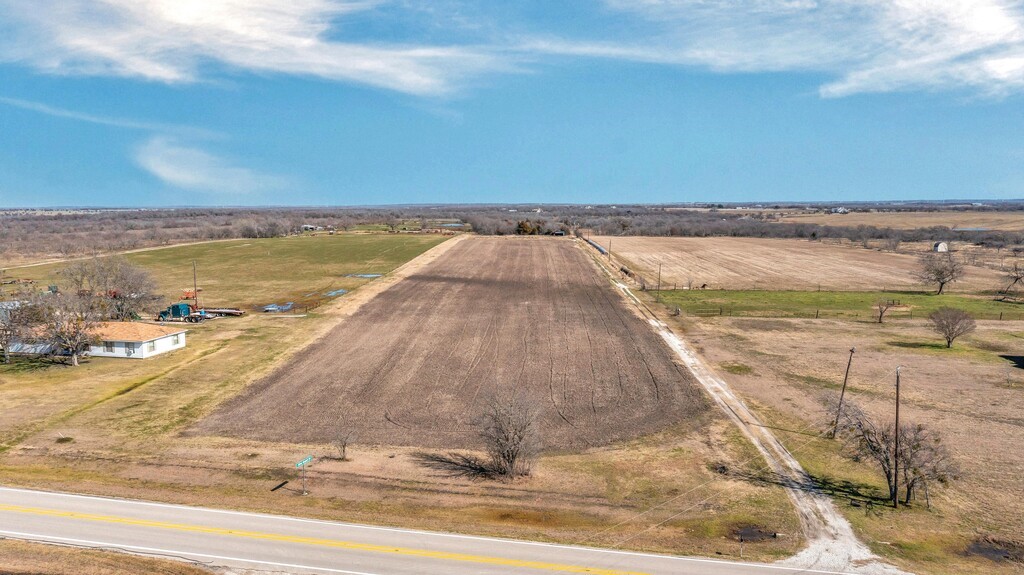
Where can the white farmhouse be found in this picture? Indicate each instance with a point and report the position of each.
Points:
(136, 340)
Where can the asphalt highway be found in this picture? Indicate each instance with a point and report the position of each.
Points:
(294, 545)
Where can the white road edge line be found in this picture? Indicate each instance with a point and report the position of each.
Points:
(180, 554)
(434, 533)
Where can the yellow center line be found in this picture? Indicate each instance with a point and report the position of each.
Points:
(442, 555)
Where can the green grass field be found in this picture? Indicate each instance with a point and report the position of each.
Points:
(254, 272)
(831, 303)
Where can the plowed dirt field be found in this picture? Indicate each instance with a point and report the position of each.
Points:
(415, 365)
(778, 264)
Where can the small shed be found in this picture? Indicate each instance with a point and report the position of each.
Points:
(136, 340)
(941, 247)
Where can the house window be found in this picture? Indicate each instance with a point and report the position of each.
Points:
(150, 346)
(175, 339)
(129, 348)
(108, 347)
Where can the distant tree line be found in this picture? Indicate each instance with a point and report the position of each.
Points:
(75, 233)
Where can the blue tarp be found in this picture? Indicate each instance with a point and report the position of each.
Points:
(275, 307)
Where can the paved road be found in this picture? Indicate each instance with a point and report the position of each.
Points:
(256, 541)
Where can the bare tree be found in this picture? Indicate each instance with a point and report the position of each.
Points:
(68, 321)
(121, 289)
(1015, 275)
(131, 289)
(892, 241)
(342, 438)
(952, 323)
(881, 307)
(940, 268)
(871, 440)
(923, 460)
(509, 429)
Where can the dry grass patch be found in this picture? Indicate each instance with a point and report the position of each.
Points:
(21, 558)
(971, 394)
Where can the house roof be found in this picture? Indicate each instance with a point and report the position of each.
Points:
(134, 331)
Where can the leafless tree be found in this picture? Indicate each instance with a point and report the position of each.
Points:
(68, 322)
(1015, 275)
(131, 291)
(924, 460)
(892, 241)
(121, 289)
(881, 307)
(509, 430)
(871, 440)
(342, 438)
(940, 268)
(952, 323)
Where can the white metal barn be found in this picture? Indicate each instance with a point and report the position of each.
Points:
(136, 340)
(940, 247)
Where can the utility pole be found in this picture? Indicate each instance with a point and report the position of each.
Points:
(195, 285)
(896, 449)
(658, 295)
(609, 249)
(842, 394)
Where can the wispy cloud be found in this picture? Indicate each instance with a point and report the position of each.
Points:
(172, 40)
(866, 45)
(191, 168)
(106, 120)
(858, 45)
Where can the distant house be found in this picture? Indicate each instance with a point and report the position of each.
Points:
(840, 210)
(940, 247)
(136, 340)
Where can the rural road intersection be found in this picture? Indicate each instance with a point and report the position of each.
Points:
(277, 543)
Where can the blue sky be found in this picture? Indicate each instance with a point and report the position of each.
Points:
(324, 102)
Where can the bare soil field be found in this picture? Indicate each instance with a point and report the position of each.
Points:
(972, 394)
(781, 264)
(1010, 221)
(416, 365)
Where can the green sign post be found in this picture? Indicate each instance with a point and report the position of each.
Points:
(302, 465)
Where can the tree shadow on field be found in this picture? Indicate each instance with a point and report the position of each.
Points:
(28, 364)
(456, 465)
(917, 345)
(839, 488)
(1017, 360)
